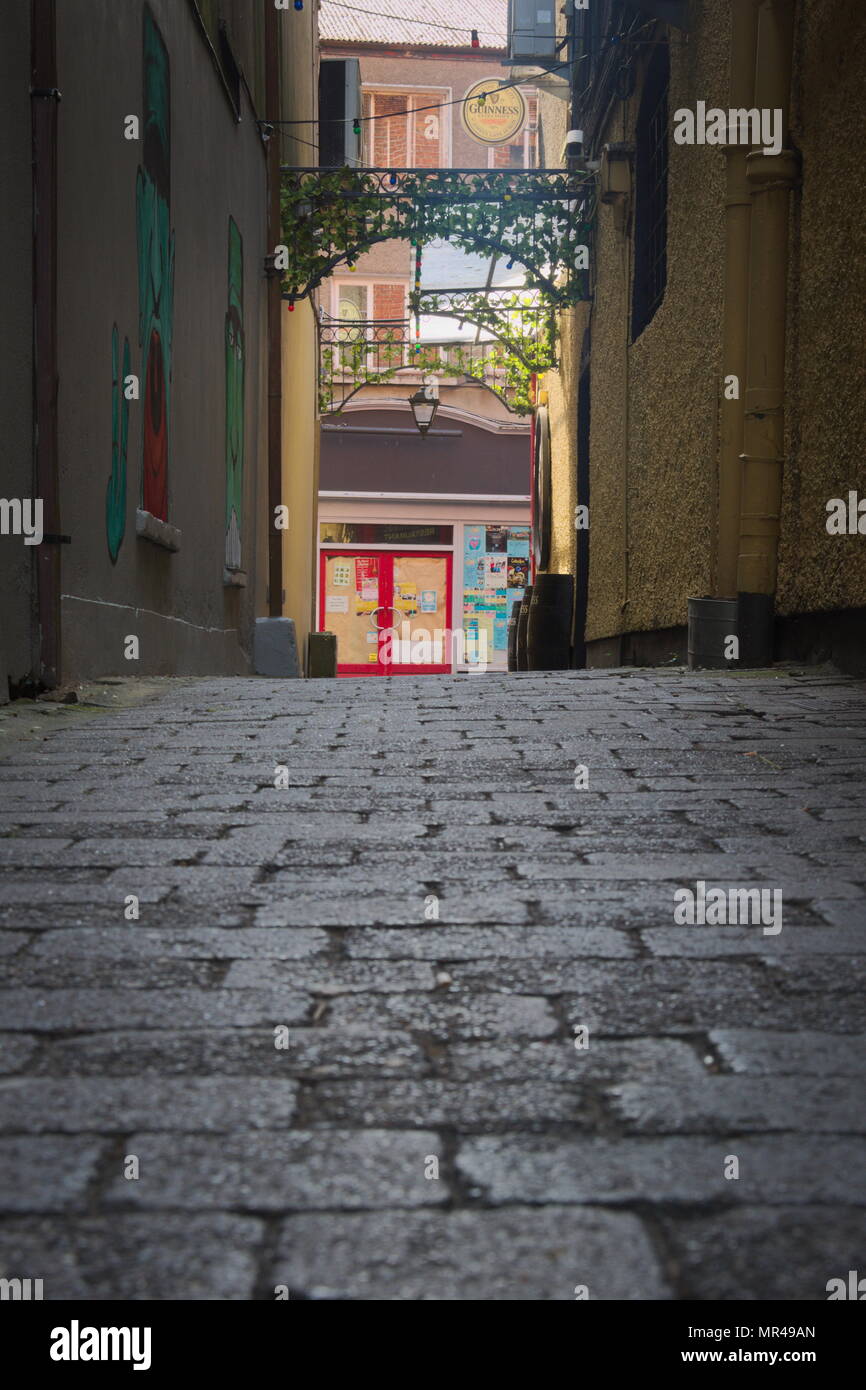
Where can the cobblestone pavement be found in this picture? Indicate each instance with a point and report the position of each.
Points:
(296, 915)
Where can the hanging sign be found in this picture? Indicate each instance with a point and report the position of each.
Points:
(499, 117)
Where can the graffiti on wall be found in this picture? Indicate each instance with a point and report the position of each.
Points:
(234, 333)
(115, 496)
(155, 269)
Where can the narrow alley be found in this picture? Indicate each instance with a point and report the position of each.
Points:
(374, 990)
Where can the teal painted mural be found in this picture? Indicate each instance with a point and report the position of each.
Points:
(155, 269)
(115, 496)
(234, 344)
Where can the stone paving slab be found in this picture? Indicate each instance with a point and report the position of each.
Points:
(420, 1025)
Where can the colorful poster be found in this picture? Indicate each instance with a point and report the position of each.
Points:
(518, 572)
(495, 570)
(428, 602)
(497, 540)
(406, 598)
(367, 578)
(518, 541)
(473, 542)
(500, 634)
(473, 574)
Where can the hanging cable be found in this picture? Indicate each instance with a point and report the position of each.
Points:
(399, 115)
(404, 19)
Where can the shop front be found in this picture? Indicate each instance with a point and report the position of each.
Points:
(423, 542)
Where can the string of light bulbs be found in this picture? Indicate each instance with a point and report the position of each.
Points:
(357, 121)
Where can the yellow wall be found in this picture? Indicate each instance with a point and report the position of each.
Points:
(300, 461)
(655, 403)
(300, 465)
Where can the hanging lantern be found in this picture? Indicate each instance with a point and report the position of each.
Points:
(424, 404)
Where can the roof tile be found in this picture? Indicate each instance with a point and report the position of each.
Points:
(433, 23)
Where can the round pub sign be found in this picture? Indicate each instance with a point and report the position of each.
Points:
(499, 117)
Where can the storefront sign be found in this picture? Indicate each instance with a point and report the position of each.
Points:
(499, 117)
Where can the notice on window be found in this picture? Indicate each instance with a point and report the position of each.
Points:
(337, 603)
(367, 578)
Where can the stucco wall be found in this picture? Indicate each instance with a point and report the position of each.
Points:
(187, 619)
(300, 464)
(17, 561)
(662, 389)
(826, 364)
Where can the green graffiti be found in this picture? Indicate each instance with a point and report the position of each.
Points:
(115, 495)
(155, 270)
(234, 342)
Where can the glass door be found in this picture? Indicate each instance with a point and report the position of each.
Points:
(420, 600)
(390, 612)
(350, 605)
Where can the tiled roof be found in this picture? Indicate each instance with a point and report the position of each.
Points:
(431, 23)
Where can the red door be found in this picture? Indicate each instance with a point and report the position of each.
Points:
(391, 611)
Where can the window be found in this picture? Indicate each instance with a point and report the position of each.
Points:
(651, 194)
(375, 533)
(351, 308)
(375, 348)
(413, 136)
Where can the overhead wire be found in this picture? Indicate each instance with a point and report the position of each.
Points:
(395, 115)
(404, 19)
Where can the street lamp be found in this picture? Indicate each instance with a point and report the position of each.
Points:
(424, 403)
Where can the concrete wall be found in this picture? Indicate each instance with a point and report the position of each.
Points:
(17, 561)
(826, 364)
(186, 617)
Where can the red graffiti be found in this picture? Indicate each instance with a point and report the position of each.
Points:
(155, 486)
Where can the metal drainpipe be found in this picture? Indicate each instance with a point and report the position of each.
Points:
(738, 207)
(275, 321)
(44, 97)
(771, 178)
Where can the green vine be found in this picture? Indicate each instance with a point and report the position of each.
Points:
(331, 216)
(512, 379)
(539, 219)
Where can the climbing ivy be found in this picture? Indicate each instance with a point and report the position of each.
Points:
(537, 218)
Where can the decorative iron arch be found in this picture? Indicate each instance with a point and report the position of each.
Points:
(518, 318)
(355, 353)
(538, 217)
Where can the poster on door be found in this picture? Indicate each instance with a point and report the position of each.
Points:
(495, 574)
(366, 583)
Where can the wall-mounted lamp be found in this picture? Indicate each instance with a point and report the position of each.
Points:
(424, 403)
